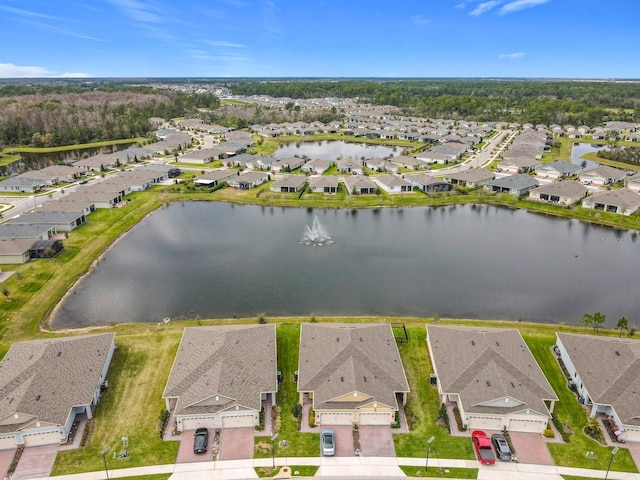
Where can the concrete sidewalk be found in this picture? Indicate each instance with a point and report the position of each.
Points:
(352, 467)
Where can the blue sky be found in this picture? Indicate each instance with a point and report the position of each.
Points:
(320, 38)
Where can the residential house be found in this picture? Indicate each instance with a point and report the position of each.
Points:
(360, 185)
(411, 163)
(352, 374)
(248, 180)
(96, 163)
(32, 231)
(350, 166)
(602, 175)
(60, 221)
(287, 164)
(514, 184)
(519, 164)
(21, 185)
(221, 375)
(316, 167)
(622, 201)
(45, 384)
(289, 184)
(557, 170)
(242, 160)
(473, 178)
(430, 156)
(633, 183)
(324, 184)
(492, 377)
(53, 174)
(428, 183)
(205, 155)
(566, 193)
(15, 251)
(393, 184)
(604, 371)
(214, 178)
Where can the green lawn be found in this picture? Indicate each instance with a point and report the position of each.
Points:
(423, 404)
(298, 444)
(296, 471)
(571, 413)
(130, 407)
(435, 472)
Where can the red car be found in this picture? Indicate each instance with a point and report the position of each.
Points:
(482, 445)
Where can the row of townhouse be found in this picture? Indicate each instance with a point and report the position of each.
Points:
(40, 232)
(348, 374)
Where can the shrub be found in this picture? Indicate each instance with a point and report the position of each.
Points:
(593, 430)
(548, 433)
(396, 421)
(312, 418)
(560, 427)
(456, 413)
(163, 419)
(297, 410)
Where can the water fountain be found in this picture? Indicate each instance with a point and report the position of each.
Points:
(316, 235)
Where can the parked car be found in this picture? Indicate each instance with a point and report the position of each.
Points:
(482, 446)
(83, 182)
(503, 452)
(328, 443)
(200, 440)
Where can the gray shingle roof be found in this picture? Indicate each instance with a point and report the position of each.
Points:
(43, 380)
(567, 189)
(610, 370)
(237, 363)
(339, 359)
(518, 182)
(473, 175)
(483, 365)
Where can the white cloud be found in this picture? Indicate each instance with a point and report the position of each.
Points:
(511, 56)
(139, 10)
(270, 18)
(222, 43)
(9, 70)
(62, 31)
(420, 20)
(520, 5)
(484, 7)
(27, 13)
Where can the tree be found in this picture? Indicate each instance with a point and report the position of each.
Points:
(598, 318)
(587, 321)
(622, 324)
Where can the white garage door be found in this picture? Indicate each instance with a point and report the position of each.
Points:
(374, 418)
(193, 423)
(632, 435)
(7, 443)
(46, 438)
(335, 418)
(237, 421)
(485, 423)
(531, 426)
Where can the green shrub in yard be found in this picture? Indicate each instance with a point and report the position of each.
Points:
(548, 433)
(560, 427)
(163, 419)
(593, 430)
(312, 418)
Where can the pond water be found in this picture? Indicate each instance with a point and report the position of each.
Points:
(335, 150)
(580, 149)
(217, 260)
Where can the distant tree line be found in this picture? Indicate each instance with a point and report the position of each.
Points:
(622, 154)
(52, 115)
(548, 102)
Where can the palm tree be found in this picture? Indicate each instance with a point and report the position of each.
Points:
(622, 324)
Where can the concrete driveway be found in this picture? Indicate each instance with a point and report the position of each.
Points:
(531, 448)
(344, 439)
(6, 457)
(376, 441)
(185, 452)
(36, 462)
(236, 443)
